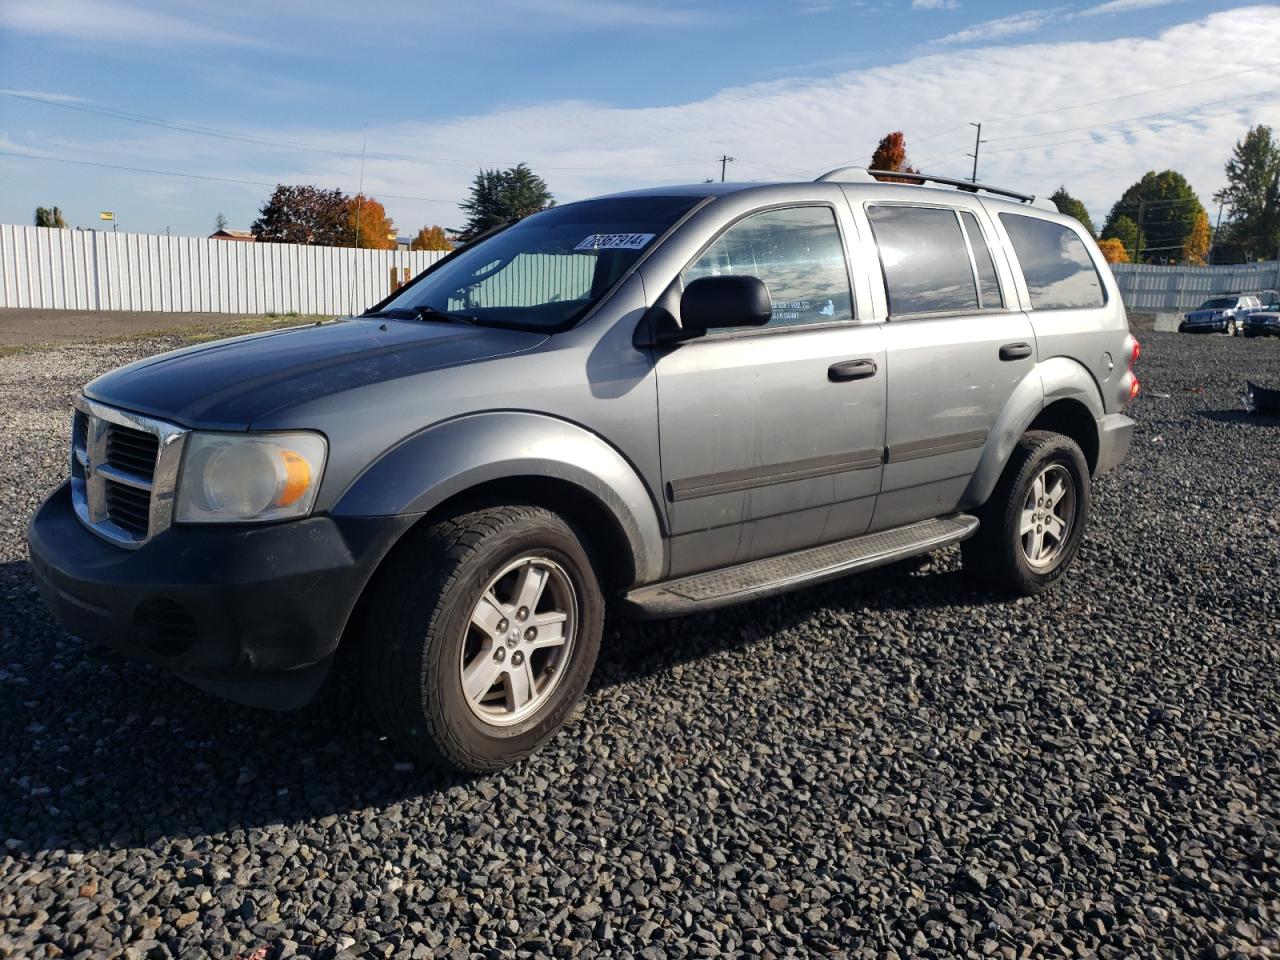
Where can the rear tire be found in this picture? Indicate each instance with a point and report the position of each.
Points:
(482, 634)
(1231, 328)
(1031, 527)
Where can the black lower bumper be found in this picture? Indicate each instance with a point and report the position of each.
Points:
(253, 614)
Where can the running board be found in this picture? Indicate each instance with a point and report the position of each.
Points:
(764, 578)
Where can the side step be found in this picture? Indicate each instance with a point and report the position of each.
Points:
(763, 578)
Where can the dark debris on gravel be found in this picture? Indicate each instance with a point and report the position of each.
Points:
(894, 765)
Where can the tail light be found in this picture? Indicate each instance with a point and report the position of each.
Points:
(1134, 384)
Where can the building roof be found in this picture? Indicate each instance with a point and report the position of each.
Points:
(227, 234)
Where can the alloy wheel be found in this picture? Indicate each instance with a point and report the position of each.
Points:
(1048, 516)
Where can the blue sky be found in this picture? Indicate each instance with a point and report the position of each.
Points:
(598, 95)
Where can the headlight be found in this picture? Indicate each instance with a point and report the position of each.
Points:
(246, 477)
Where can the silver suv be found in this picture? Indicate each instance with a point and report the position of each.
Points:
(676, 399)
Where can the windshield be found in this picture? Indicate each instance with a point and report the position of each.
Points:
(549, 269)
(1219, 303)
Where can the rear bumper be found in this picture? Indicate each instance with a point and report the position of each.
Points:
(253, 614)
(1115, 433)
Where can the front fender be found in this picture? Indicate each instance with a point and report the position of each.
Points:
(1059, 378)
(452, 457)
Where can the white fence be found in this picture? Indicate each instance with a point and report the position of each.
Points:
(83, 270)
(1152, 289)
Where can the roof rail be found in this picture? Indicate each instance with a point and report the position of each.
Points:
(967, 185)
(859, 174)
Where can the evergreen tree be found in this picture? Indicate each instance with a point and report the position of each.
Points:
(50, 217)
(501, 195)
(1072, 207)
(1253, 195)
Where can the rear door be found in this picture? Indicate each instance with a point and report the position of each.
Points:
(771, 437)
(955, 351)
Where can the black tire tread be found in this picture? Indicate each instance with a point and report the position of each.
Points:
(989, 555)
(389, 658)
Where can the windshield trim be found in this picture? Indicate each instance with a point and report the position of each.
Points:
(573, 320)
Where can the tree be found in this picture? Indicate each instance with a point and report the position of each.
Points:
(891, 154)
(1113, 249)
(1164, 208)
(1072, 207)
(1253, 194)
(219, 223)
(304, 214)
(431, 238)
(1195, 249)
(501, 195)
(368, 225)
(1125, 232)
(50, 217)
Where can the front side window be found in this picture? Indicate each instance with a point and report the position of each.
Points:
(798, 254)
(549, 269)
(1059, 272)
(925, 261)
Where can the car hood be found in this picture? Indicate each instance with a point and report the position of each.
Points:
(233, 383)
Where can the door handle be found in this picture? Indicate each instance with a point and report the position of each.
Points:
(1015, 351)
(851, 370)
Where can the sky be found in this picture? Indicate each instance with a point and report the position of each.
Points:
(104, 102)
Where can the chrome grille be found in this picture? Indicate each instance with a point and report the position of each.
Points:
(123, 469)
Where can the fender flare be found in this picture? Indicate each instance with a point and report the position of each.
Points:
(454, 456)
(1058, 378)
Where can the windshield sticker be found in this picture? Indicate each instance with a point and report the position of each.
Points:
(615, 241)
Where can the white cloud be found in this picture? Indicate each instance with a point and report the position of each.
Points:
(108, 21)
(934, 4)
(793, 129)
(43, 95)
(1032, 21)
(1028, 21)
(1123, 6)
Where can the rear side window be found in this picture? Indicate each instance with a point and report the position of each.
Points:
(797, 252)
(925, 260)
(988, 285)
(1058, 269)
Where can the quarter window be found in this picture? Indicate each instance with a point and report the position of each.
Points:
(1059, 272)
(925, 261)
(797, 253)
(988, 285)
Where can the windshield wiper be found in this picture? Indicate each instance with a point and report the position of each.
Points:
(426, 312)
(423, 312)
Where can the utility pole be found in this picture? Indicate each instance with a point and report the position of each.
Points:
(1137, 244)
(726, 159)
(977, 143)
(1216, 227)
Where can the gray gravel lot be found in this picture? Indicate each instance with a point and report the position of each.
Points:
(890, 766)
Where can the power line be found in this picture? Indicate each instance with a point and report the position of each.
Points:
(188, 176)
(221, 134)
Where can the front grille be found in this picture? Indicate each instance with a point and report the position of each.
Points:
(129, 507)
(123, 470)
(132, 451)
(166, 626)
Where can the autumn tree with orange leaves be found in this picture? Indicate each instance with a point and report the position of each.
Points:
(1195, 249)
(368, 225)
(1113, 249)
(431, 238)
(891, 154)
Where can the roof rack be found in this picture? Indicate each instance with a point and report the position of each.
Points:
(863, 175)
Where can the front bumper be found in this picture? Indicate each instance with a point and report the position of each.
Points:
(1115, 433)
(1203, 326)
(250, 613)
(1257, 328)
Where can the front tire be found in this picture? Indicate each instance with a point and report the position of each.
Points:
(482, 634)
(1031, 528)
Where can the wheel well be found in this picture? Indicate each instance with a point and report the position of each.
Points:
(607, 543)
(1071, 418)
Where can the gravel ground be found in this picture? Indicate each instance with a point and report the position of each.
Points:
(890, 766)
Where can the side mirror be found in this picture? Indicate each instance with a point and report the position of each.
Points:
(713, 302)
